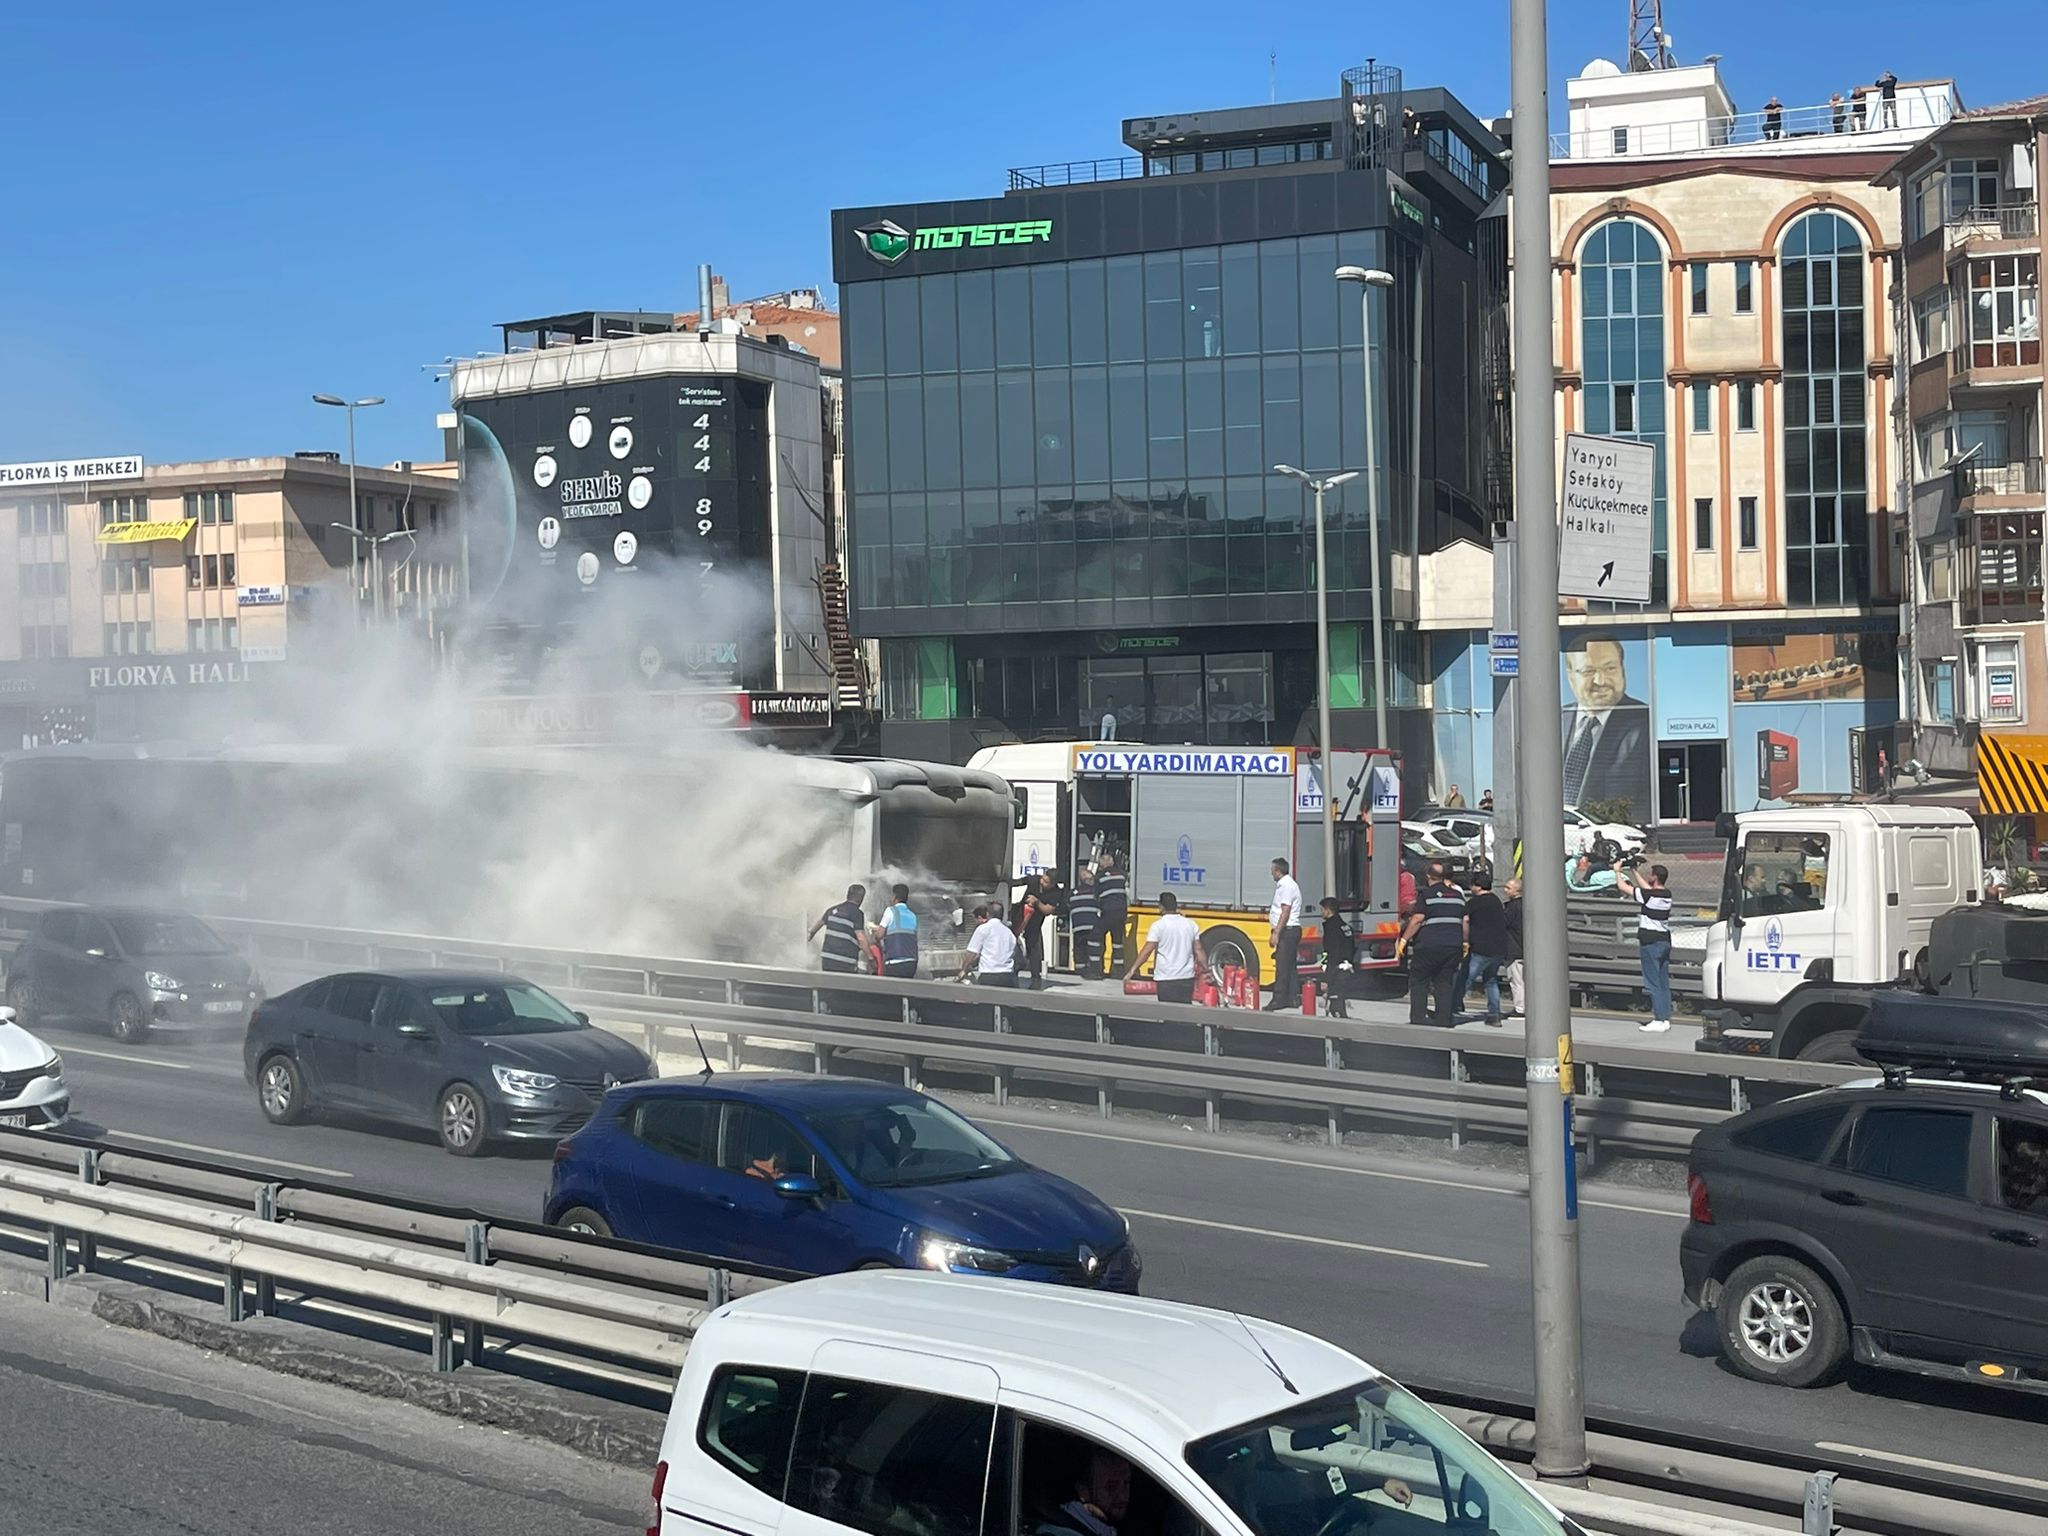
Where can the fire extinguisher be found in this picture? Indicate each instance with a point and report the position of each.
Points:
(1248, 989)
(1308, 998)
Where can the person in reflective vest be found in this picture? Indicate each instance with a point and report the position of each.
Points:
(843, 924)
(897, 934)
(1435, 946)
(1084, 918)
(1113, 895)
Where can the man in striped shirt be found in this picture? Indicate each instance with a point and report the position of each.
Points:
(1653, 936)
(844, 924)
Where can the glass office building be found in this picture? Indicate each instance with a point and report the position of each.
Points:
(1064, 406)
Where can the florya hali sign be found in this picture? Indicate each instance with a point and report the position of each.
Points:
(1606, 519)
(117, 466)
(166, 674)
(889, 242)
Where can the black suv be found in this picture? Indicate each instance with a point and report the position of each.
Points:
(1904, 1221)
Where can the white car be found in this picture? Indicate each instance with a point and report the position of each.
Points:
(1434, 842)
(32, 1091)
(1580, 833)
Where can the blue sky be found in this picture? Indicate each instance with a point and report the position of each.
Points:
(214, 210)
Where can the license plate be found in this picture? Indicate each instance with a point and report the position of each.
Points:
(14, 1122)
(224, 1007)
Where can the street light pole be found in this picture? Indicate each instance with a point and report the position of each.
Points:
(1368, 280)
(1560, 1448)
(1319, 487)
(355, 568)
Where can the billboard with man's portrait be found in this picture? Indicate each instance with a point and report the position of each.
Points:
(1609, 752)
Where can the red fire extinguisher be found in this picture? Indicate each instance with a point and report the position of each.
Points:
(1308, 998)
(1248, 989)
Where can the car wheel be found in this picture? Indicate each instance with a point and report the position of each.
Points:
(1837, 1046)
(1229, 946)
(585, 1222)
(131, 1024)
(1782, 1323)
(21, 997)
(462, 1120)
(281, 1090)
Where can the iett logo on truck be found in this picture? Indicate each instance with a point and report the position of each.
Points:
(1186, 871)
(1773, 956)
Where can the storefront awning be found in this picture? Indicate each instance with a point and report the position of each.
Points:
(2012, 775)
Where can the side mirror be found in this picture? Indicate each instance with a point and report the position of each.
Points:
(412, 1030)
(582, 1017)
(6, 1014)
(799, 1186)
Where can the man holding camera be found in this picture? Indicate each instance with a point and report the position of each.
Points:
(1653, 933)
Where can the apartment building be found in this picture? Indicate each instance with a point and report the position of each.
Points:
(131, 595)
(1966, 312)
(1719, 292)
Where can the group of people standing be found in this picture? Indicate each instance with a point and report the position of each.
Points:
(1455, 939)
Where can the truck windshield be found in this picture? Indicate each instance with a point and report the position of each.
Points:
(1368, 1458)
(1774, 873)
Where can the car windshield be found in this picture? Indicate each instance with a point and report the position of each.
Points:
(516, 1008)
(1367, 1459)
(909, 1141)
(168, 933)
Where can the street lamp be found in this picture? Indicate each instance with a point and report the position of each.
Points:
(1327, 482)
(355, 577)
(1367, 280)
(376, 542)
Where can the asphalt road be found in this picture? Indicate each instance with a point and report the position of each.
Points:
(112, 1430)
(1419, 1265)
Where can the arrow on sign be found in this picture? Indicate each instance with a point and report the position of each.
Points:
(1606, 571)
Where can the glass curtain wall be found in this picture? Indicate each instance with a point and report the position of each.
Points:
(1621, 286)
(1827, 527)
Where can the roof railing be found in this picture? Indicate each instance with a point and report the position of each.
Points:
(1831, 124)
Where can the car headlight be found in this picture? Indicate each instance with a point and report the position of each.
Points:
(159, 982)
(54, 1067)
(512, 1080)
(944, 1253)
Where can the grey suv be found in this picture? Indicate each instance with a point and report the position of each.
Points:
(135, 969)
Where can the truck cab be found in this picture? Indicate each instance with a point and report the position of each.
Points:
(1818, 902)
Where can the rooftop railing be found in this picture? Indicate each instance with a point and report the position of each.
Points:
(2006, 221)
(1829, 125)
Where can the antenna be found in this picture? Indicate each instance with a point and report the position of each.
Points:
(700, 1047)
(1649, 45)
(1266, 1354)
(1272, 77)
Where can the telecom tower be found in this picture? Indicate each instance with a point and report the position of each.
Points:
(1649, 45)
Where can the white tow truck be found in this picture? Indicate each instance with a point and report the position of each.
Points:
(1822, 906)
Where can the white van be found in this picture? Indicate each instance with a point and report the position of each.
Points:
(899, 1404)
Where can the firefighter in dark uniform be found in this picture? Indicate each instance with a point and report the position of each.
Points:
(844, 925)
(1435, 944)
(1113, 895)
(1084, 921)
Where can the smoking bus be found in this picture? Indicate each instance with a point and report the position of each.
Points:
(1206, 823)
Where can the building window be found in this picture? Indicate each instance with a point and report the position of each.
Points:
(1924, 206)
(212, 567)
(1621, 335)
(210, 508)
(1933, 327)
(1702, 405)
(1703, 522)
(1972, 189)
(2005, 312)
(1827, 533)
(1621, 141)
(45, 641)
(227, 570)
(194, 572)
(1745, 405)
(2001, 699)
(1745, 287)
(1938, 688)
(128, 639)
(1699, 287)
(2008, 567)
(123, 509)
(1746, 518)
(39, 518)
(43, 578)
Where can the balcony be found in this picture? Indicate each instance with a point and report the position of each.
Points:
(2015, 480)
(2007, 221)
(2002, 565)
(1917, 110)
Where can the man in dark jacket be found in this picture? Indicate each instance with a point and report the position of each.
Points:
(1511, 908)
(1084, 921)
(844, 925)
(1340, 951)
(1486, 937)
(1434, 942)
(1113, 892)
(1043, 898)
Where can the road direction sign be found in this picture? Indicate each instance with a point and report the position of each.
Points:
(1505, 641)
(1509, 665)
(1606, 519)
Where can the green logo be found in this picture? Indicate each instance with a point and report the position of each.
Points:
(887, 242)
(1408, 209)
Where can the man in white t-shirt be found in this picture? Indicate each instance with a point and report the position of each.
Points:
(1175, 946)
(991, 951)
(1285, 920)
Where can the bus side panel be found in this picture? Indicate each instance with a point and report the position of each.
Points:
(1268, 834)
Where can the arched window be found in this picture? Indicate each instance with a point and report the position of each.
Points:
(1827, 452)
(1621, 340)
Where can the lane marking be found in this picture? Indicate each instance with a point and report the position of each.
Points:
(239, 1157)
(1288, 1162)
(1901, 1459)
(133, 1061)
(1302, 1237)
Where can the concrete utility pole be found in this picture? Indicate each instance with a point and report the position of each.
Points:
(355, 567)
(1367, 281)
(1560, 1449)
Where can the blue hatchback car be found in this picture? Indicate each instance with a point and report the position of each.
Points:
(820, 1175)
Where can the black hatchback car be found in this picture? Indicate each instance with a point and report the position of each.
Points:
(473, 1056)
(134, 969)
(1902, 1222)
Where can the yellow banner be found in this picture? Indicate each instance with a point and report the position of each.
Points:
(147, 533)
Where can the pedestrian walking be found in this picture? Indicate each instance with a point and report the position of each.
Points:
(1113, 893)
(897, 934)
(1340, 951)
(1774, 118)
(843, 924)
(1084, 922)
(1486, 943)
(1284, 918)
(1455, 800)
(1653, 937)
(1174, 945)
(991, 957)
(1434, 942)
(1837, 109)
(1888, 94)
(1511, 909)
